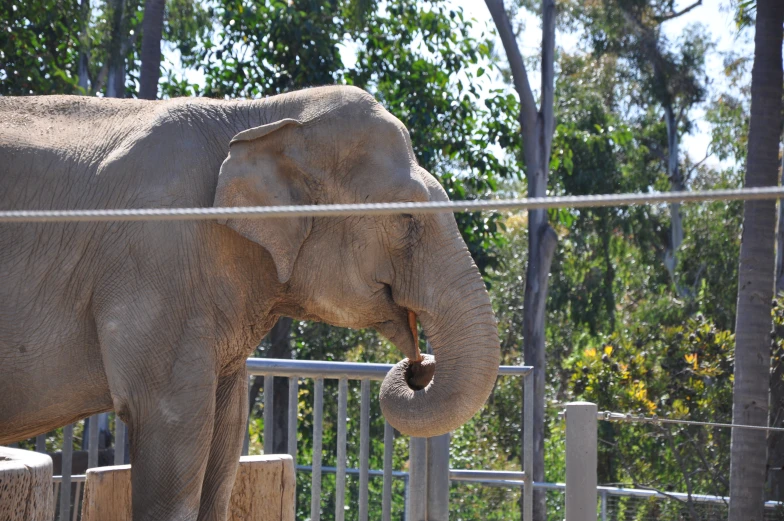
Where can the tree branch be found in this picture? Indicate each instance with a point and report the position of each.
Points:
(548, 75)
(528, 109)
(670, 16)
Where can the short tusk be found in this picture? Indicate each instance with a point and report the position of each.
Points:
(412, 323)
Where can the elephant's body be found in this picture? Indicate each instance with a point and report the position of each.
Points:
(155, 319)
(66, 285)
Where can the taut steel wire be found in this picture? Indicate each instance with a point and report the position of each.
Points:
(342, 210)
(631, 418)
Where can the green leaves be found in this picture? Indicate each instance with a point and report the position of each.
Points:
(38, 47)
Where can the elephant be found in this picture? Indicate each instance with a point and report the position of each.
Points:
(155, 319)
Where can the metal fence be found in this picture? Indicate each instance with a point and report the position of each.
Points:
(427, 483)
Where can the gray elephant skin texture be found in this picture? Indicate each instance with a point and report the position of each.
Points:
(154, 319)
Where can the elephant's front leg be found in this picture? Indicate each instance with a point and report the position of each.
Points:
(169, 404)
(230, 423)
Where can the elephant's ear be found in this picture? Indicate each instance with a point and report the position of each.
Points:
(261, 170)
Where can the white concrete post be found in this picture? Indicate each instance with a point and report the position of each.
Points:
(438, 478)
(581, 478)
(417, 479)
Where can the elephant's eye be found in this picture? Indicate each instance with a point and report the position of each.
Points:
(407, 228)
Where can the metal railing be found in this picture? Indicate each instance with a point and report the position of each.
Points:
(425, 484)
(428, 477)
(613, 503)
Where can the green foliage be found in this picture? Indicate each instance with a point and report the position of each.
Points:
(38, 47)
(595, 151)
(669, 73)
(689, 377)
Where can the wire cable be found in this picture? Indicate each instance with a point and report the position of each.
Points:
(342, 210)
(631, 418)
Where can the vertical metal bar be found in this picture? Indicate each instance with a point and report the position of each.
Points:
(581, 461)
(92, 442)
(77, 495)
(364, 448)
(119, 441)
(103, 431)
(386, 496)
(407, 498)
(315, 483)
(292, 420)
(528, 446)
(246, 437)
(269, 429)
(340, 477)
(65, 484)
(55, 492)
(40, 443)
(417, 472)
(438, 478)
(604, 505)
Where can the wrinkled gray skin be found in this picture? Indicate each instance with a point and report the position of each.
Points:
(155, 319)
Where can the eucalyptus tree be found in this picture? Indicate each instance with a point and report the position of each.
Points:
(756, 272)
(670, 76)
(536, 128)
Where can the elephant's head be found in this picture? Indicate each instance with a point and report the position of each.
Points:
(341, 146)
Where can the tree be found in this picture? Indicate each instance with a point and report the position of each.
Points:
(756, 271)
(38, 47)
(84, 46)
(536, 128)
(668, 78)
(115, 83)
(152, 29)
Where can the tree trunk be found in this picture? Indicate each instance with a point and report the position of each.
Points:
(280, 347)
(756, 272)
(115, 84)
(537, 132)
(84, 47)
(780, 238)
(676, 185)
(152, 28)
(775, 486)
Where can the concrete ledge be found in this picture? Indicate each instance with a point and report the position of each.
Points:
(263, 490)
(25, 486)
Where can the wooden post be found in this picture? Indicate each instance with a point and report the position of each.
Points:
(264, 489)
(25, 486)
(107, 494)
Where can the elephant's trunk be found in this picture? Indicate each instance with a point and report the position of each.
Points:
(462, 330)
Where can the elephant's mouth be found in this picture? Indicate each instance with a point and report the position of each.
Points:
(420, 371)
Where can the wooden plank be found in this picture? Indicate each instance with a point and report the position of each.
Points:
(264, 489)
(107, 494)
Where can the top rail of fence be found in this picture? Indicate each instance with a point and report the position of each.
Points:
(342, 210)
(337, 370)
